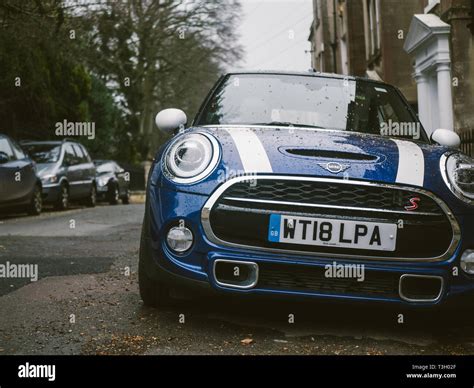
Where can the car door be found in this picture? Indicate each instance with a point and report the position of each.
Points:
(73, 171)
(7, 173)
(84, 186)
(25, 175)
(89, 168)
(122, 183)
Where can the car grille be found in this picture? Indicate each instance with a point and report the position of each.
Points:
(313, 280)
(240, 215)
(333, 194)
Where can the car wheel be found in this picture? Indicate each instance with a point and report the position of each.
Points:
(92, 199)
(153, 293)
(113, 194)
(126, 198)
(63, 199)
(36, 204)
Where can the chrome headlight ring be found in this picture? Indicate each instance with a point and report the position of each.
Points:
(457, 171)
(191, 157)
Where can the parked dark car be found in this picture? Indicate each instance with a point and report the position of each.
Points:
(19, 185)
(112, 182)
(66, 172)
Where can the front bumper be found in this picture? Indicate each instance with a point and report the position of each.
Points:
(51, 192)
(167, 208)
(102, 191)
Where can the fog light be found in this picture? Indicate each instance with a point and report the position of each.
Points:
(179, 239)
(467, 261)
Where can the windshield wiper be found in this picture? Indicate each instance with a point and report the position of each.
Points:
(288, 124)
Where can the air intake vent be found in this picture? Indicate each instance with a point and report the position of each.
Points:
(323, 154)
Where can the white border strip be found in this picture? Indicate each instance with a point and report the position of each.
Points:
(252, 154)
(411, 163)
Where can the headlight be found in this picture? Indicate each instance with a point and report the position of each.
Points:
(467, 261)
(49, 179)
(191, 157)
(459, 175)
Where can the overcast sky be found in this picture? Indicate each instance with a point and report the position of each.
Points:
(274, 34)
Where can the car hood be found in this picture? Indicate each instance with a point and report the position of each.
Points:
(322, 153)
(328, 153)
(105, 174)
(44, 169)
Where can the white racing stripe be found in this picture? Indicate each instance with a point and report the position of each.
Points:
(411, 163)
(252, 154)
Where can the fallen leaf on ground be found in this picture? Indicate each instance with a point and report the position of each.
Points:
(246, 341)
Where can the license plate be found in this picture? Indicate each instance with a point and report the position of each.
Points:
(332, 233)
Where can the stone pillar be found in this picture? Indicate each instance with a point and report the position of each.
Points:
(445, 99)
(428, 41)
(423, 100)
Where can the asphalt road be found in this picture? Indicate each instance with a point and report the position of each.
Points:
(86, 302)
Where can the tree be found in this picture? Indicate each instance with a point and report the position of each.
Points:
(113, 63)
(40, 82)
(158, 53)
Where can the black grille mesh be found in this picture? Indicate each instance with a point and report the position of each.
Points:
(313, 279)
(338, 194)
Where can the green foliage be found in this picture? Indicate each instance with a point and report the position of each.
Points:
(41, 84)
(128, 60)
(160, 54)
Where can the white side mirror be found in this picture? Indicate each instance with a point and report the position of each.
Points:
(446, 138)
(169, 120)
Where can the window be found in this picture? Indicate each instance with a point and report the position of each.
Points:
(344, 57)
(44, 153)
(431, 4)
(17, 150)
(317, 102)
(80, 154)
(316, 13)
(86, 155)
(70, 157)
(377, 24)
(6, 148)
(372, 26)
(341, 11)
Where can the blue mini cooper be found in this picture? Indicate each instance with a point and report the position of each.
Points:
(308, 185)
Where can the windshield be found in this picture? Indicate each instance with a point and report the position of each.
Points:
(44, 153)
(309, 101)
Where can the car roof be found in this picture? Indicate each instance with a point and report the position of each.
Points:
(48, 142)
(29, 142)
(309, 73)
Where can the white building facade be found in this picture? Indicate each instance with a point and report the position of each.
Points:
(428, 42)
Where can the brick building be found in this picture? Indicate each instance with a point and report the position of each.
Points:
(364, 38)
(379, 39)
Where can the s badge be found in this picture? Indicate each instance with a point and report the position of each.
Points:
(414, 204)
